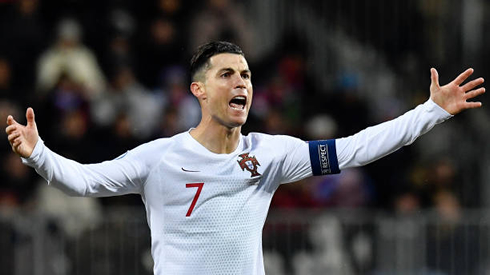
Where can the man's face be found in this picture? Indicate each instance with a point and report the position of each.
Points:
(227, 90)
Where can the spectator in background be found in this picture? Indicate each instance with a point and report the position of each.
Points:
(162, 40)
(176, 11)
(329, 255)
(172, 9)
(121, 136)
(74, 136)
(6, 90)
(14, 184)
(275, 122)
(22, 32)
(128, 95)
(10, 96)
(179, 109)
(119, 50)
(450, 249)
(431, 176)
(160, 47)
(222, 20)
(281, 98)
(65, 98)
(69, 56)
(17, 185)
(407, 203)
(278, 100)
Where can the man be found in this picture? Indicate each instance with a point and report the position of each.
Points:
(207, 191)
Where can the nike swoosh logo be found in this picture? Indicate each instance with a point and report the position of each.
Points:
(192, 171)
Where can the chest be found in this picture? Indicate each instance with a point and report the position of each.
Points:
(211, 192)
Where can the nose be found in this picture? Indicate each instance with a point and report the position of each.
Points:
(240, 82)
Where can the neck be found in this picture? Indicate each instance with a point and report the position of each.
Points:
(218, 139)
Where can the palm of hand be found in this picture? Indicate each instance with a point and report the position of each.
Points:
(22, 138)
(453, 96)
(29, 136)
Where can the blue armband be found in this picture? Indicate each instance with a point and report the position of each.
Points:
(323, 157)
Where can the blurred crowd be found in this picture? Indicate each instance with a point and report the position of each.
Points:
(106, 76)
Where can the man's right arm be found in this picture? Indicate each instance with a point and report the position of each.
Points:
(116, 177)
(109, 178)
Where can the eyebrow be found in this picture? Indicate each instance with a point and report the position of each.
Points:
(233, 70)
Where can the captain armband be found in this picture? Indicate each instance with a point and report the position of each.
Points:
(323, 157)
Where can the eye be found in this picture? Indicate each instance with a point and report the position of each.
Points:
(246, 76)
(225, 75)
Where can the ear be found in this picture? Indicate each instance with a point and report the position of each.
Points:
(197, 89)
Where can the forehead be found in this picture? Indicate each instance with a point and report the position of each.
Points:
(228, 60)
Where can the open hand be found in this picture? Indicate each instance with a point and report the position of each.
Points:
(452, 97)
(22, 138)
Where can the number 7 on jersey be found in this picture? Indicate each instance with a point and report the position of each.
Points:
(196, 196)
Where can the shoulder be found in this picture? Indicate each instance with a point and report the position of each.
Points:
(272, 141)
(269, 137)
(155, 148)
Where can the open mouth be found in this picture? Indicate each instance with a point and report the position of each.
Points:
(238, 102)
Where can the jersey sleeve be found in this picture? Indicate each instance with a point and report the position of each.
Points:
(323, 157)
(123, 175)
(378, 141)
(291, 161)
(300, 159)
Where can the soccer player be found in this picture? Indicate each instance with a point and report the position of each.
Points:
(207, 191)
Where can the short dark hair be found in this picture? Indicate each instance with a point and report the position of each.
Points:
(201, 57)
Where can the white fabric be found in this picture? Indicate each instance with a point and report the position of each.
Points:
(378, 141)
(223, 233)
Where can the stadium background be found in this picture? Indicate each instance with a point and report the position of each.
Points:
(105, 76)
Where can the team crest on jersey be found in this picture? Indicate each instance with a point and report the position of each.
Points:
(250, 163)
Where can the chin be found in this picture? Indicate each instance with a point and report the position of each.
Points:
(237, 123)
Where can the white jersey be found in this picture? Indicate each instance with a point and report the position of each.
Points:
(206, 211)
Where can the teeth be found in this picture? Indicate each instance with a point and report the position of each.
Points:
(236, 106)
(238, 102)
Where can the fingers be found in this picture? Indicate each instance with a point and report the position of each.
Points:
(11, 120)
(10, 129)
(16, 144)
(434, 76)
(472, 105)
(12, 137)
(472, 84)
(15, 139)
(30, 117)
(463, 76)
(474, 93)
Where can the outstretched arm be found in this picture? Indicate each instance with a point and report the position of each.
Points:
(453, 97)
(121, 176)
(22, 138)
(378, 141)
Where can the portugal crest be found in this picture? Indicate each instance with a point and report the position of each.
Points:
(250, 163)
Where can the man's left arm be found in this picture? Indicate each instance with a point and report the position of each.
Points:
(378, 141)
(453, 97)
